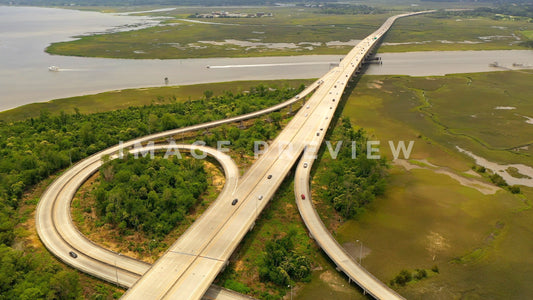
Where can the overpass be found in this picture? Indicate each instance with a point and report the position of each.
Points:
(60, 236)
(187, 269)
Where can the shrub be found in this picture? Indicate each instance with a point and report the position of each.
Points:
(403, 278)
(236, 286)
(420, 274)
(435, 269)
(514, 189)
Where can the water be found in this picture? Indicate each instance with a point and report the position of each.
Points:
(448, 62)
(26, 31)
(24, 77)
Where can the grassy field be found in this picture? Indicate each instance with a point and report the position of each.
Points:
(180, 38)
(455, 110)
(432, 33)
(528, 34)
(135, 97)
(294, 31)
(480, 243)
(425, 219)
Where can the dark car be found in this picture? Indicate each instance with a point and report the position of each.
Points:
(303, 197)
(269, 176)
(72, 254)
(234, 201)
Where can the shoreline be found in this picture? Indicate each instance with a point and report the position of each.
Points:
(123, 98)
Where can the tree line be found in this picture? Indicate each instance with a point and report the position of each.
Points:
(349, 9)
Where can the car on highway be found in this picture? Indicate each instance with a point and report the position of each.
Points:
(73, 254)
(297, 97)
(305, 165)
(260, 197)
(303, 197)
(234, 201)
(318, 134)
(307, 107)
(269, 176)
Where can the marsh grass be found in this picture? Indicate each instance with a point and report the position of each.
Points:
(479, 242)
(180, 39)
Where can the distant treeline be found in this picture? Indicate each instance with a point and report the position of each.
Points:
(149, 2)
(348, 9)
(524, 10)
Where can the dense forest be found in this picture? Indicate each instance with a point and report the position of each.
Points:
(35, 148)
(152, 195)
(28, 277)
(281, 265)
(350, 184)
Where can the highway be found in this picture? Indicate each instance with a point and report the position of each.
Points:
(190, 265)
(187, 269)
(60, 236)
(318, 231)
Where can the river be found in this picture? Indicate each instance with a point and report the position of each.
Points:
(26, 31)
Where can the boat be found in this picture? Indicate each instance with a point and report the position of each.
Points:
(53, 68)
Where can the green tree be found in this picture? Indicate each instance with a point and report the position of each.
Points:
(208, 94)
